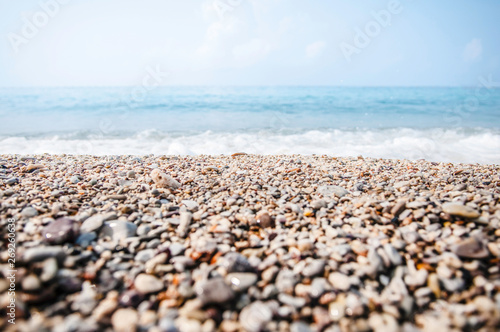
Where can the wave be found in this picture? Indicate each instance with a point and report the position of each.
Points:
(479, 145)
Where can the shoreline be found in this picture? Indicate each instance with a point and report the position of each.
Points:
(250, 243)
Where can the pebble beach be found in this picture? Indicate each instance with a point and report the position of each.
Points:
(249, 243)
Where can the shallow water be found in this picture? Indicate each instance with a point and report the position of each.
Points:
(441, 124)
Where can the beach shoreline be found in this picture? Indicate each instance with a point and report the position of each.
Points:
(250, 242)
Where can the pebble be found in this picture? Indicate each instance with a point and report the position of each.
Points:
(125, 320)
(11, 181)
(270, 234)
(118, 229)
(329, 191)
(264, 220)
(29, 212)
(131, 174)
(214, 291)
(459, 210)
(92, 224)
(253, 318)
(471, 248)
(318, 204)
(38, 254)
(60, 231)
(314, 268)
(146, 284)
(241, 281)
(340, 281)
(31, 283)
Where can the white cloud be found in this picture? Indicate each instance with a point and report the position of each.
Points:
(473, 50)
(315, 49)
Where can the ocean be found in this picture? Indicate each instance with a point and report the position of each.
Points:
(437, 124)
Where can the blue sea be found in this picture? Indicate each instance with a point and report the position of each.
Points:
(437, 124)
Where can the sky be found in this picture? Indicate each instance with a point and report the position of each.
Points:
(248, 42)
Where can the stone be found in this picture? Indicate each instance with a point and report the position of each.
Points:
(163, 180)
(330, 191)
(241, 281)
(185, 220)
(264, 220)
(38, 254)
(286, 281)
(340, 281)
(146, 284)
(190, 205)
(470, 248)
(393, 254)
(11, 181)
(125, 320)
(300, 327)
(296, 302)
(84, 240)
(31, 283)
(29, 212)
(254, 317)
(235, 262)
(460, 210)
(49, 270)
(92, 224)
(314, 268)
(214, 291)
(318, 204)
(118, 229)
(60, 231)
(131, 174)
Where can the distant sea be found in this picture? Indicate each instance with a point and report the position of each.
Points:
(437, 124)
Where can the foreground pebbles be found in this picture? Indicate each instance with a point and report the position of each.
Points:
(250, 243)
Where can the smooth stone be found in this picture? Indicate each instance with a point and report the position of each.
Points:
(34, 167)
(214, 291)
(470, 248)
(300, 327)
(85, 239)
(329, 191)
(241, 281)
(146, 284)
(131, 175)
(11, 181)
(459, 210)
(125, 320)
(190, 205)
(254, 317)
(49, 270)
(143, 230)
(296, 302)
(264, 220)
(318, 287)
(185, 219)
(31, 283)
(118, 229)
(235, 262)
(92, 223)
(29, 212)
(59, 231)
(176, 249)
(75, 179)
(393, 254)
(38, 254)
(145, 255)
(340, 281)
(318, 204)
(314, 268)
(286, 281)
(131, 298)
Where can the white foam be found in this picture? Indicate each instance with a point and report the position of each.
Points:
(449, 145)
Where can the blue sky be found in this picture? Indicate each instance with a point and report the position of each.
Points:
(249, 42)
